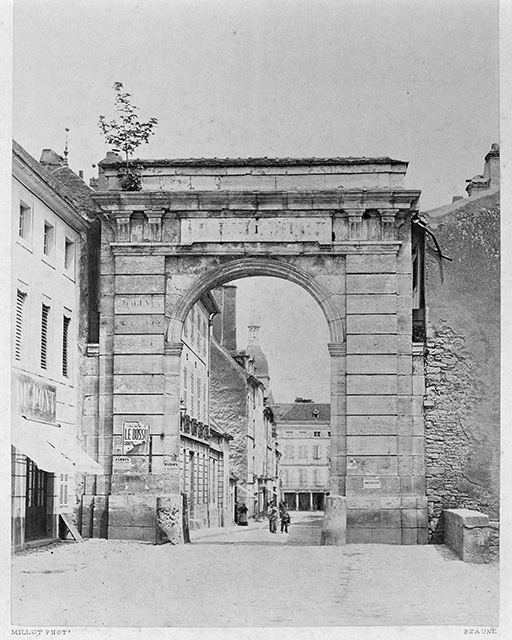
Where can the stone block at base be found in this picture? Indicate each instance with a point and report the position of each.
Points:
(149, 518)
(334, 529)
(467, 533)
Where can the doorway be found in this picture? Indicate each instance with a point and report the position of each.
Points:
(36, 502)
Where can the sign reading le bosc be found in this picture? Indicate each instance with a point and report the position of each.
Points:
(135, 438)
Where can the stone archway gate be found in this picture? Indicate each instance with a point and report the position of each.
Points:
(341, 229)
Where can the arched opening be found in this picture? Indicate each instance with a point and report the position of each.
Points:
(302, 479)
(247, 267)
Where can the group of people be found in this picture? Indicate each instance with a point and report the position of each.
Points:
(273, 514)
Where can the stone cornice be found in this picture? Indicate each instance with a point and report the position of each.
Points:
(256, 249)
(231, 203)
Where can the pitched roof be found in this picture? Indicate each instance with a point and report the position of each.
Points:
(304, 412)
(61, 179)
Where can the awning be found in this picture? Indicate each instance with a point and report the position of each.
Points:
(50, 448)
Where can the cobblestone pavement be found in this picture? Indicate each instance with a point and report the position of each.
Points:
(248, 577)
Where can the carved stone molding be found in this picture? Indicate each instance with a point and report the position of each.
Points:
(173, 348)
(387, 220)
(355, 223)
(337, 349)
(154, 218)
(123, 228)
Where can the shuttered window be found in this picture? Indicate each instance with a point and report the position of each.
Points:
(45, 312)
(185, 385)
(65, 343)
(20, 304)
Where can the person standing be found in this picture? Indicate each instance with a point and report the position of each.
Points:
(285, 521)
(242, 515)
(272, 515)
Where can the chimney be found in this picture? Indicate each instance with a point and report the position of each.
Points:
(81, 174)
(51, 160)
(492, 166)
(491, 175)
(224, 323)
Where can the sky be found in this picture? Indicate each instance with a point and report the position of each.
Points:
(416, 81)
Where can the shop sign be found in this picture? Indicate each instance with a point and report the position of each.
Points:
(371, 482)
(135, 438)
(36, 399)
(129, 465)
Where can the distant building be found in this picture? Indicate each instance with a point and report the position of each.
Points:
(462, 356)
(49, 295)
(204, 449)
(304, 436)
(239, 404)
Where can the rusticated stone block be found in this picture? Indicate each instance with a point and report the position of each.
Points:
(377, 263)
(371, 364)
(371, 405)
(138, 364)
(375, 344)
(371, 425)
(371, 446)
(409, 536)
(371, 385)
(362, 304)
(139, 265)
(371, 324)
(409, 519)
(140, 284)
(371, 283)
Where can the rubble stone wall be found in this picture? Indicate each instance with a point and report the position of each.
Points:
(462, 368)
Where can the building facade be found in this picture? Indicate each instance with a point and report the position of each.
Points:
(462, 355)
(204, 450)
(49, 224)
(304, 435)
(239, 402)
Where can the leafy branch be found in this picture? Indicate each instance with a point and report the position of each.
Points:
(127, 132)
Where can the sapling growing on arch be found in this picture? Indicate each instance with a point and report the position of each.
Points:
(125, 134)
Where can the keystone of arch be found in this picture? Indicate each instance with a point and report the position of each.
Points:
(247, 267)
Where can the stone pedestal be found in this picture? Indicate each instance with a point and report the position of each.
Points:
(334, 530)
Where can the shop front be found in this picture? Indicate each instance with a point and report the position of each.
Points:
(46, 459)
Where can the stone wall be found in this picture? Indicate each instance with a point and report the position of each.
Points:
(228, 406)
(462, 368)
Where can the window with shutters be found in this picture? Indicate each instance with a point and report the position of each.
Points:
(24, 221)
(303, 453)
(303, 476)
(65, 345)
(20, 308)
(316, 452)
(288, 451)
(185, 385)
(63, 489)
(45, 313)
